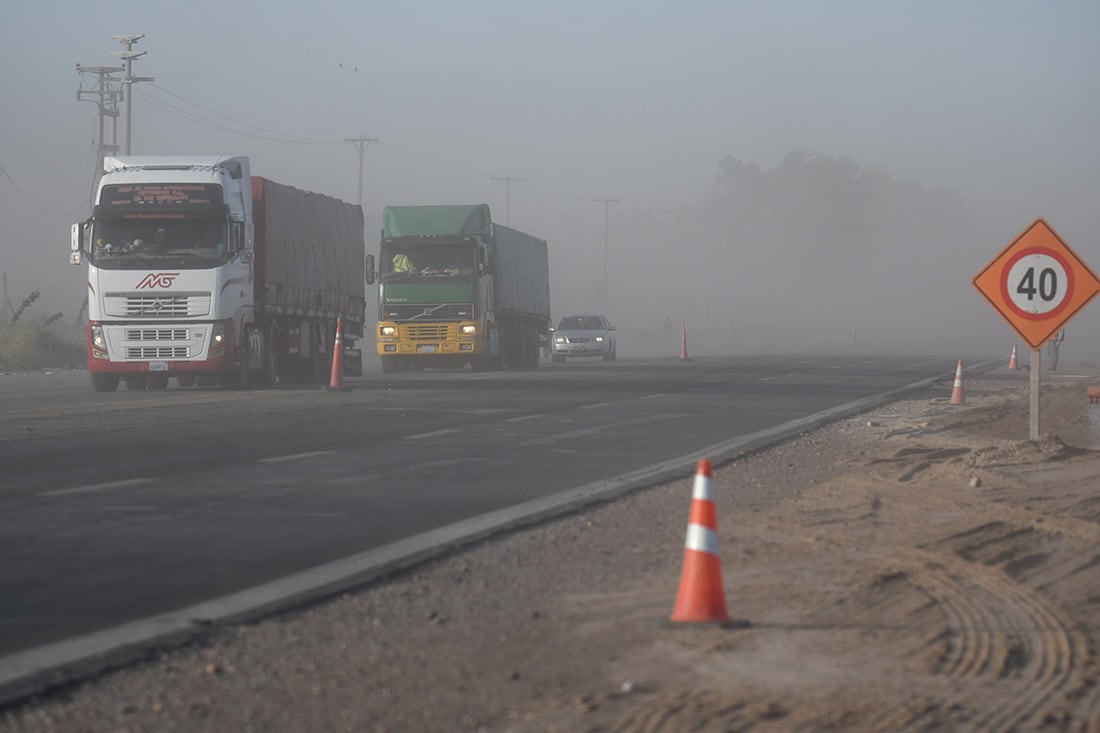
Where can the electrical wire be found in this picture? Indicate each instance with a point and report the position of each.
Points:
(23, 194)
(267, 133)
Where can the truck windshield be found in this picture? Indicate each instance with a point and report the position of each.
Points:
(421, 261)
(124, 244)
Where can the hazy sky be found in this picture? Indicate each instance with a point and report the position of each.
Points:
(998, 101)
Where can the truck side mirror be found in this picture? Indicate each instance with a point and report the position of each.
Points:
(371, 274)
(76, 244)
(484, 261)
(236, 236)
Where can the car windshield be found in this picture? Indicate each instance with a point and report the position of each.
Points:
(582, 323)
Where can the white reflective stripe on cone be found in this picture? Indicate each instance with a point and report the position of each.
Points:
(701, 539)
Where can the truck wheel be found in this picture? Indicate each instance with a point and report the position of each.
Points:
(104, 382)
(269, 377)
(316, 364)
(532, 347)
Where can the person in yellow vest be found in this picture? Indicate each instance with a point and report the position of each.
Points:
(1052, 348)
(401, 263)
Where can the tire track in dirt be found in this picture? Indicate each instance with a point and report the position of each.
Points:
(998, 630)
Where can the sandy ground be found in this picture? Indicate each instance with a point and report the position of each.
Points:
(922, 567)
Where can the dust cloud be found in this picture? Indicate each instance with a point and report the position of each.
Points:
(784, 179)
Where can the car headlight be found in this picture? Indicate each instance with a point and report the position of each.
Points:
(599, 339)
(559, 339)
(468, 330)
(388, 330)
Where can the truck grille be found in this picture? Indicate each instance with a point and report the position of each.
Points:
(158, 352)
(176, 305)
(156, 334)
(422, 312)
(428, 332)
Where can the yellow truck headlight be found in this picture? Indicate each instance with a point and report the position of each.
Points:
(387, 331)
(468, 330)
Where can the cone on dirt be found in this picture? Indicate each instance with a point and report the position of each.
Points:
(958, 396)
(336, 380)
(683, 341)
(1012, 363)
(701, 597)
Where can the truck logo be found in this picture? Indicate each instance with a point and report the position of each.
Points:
(158, 280)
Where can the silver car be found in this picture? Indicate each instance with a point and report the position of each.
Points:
(583, 335)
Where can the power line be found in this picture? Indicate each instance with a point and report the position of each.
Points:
(67, 215)
(300, 138)
(177, 111)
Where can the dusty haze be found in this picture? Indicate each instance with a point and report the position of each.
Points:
(788, 176)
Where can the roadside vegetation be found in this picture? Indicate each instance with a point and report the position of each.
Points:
(31, 341)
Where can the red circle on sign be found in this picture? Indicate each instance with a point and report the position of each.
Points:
(1030, 251)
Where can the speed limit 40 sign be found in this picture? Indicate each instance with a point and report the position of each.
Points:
(1037, 283)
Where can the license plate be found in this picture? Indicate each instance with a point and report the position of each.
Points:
(426, 349)
(158, 366)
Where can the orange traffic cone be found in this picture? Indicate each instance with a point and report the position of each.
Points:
(1012, 364)
(701, 598)
(958, 396)
(683, 341)
(336, 381)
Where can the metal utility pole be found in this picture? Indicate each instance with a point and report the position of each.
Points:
(606, 214)
(105, 92)
(129, 80)
(508, 181)
(361, 144)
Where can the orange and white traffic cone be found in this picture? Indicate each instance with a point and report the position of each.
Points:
(701, 598)
(958, 396)
(336, 380)
(1012, 363)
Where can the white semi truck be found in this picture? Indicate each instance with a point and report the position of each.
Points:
(200, 272)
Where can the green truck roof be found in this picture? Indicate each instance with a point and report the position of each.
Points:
(427, 221)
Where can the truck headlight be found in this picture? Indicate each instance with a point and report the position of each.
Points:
(387, 331)
(599, 339)
(99, 343)
(217, 341)
(468, 330)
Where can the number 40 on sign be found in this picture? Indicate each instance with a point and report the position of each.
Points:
(1037, 283)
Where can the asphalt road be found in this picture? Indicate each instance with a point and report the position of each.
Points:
(121, 506)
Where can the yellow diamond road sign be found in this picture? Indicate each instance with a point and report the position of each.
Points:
(1037, 283)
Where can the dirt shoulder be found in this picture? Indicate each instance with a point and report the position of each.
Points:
(920, 567)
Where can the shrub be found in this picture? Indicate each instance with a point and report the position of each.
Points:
(47, 343)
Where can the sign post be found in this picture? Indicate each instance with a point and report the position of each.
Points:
(1037, 284)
